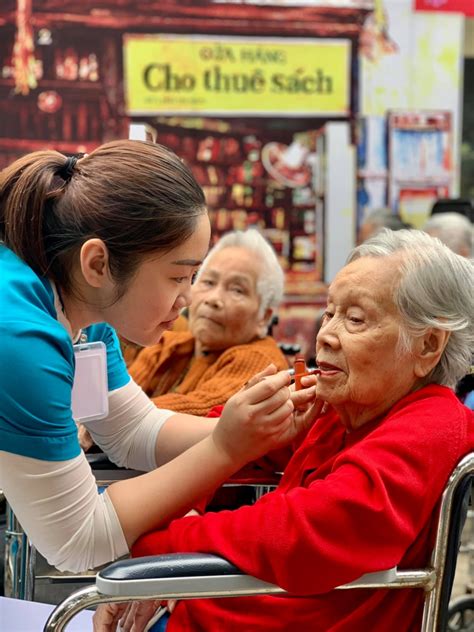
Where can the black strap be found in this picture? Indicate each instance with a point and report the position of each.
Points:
(65, 172)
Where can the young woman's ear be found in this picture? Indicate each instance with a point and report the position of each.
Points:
(429, 349)
(94, 258)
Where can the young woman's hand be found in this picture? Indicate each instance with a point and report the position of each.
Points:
(85, 440)
(260, 417)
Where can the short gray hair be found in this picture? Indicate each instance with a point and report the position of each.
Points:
(270, 281)
(435, 290)
(385, 218)
(454, 230)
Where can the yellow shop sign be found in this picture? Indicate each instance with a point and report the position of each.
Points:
(236, 75)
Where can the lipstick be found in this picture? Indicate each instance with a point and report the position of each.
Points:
(301, 370)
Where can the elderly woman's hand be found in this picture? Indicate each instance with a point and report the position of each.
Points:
(133, 616)
(260, 417)
(307, 406)
(107, 616)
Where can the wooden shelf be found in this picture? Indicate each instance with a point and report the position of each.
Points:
(58, 84)
(27, 145)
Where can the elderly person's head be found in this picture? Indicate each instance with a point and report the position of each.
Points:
(399, 316)
(454, 230)
(236, 291)
(378, 219)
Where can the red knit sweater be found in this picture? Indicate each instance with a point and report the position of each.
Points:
(348, 504)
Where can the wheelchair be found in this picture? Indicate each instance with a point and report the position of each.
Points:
(187, 576)
(20, 572)
(461, 609)
(461, 614)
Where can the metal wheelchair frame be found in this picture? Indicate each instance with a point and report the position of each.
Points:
(20, 575)
(20, 555)
(191, 576)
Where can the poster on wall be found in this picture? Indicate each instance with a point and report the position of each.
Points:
(420, 159)
(236, 75)
(423, 73)
(414, 205)
(450, 6)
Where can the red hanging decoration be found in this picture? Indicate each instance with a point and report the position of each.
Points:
(23, 50)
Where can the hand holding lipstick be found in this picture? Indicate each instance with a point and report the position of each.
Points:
(307, 406)
(301, 370)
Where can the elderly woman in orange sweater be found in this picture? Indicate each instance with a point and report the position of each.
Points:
(234, 297)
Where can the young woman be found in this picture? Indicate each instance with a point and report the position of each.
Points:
(93, 244)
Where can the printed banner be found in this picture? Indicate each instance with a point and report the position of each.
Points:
(452, 6)
(167, 74)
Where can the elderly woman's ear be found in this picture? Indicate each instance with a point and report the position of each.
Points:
(428, 350)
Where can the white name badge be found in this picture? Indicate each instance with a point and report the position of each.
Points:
(90, 389)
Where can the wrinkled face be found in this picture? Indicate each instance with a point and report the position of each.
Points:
(225, 305)
(160, 290)
(362, 371)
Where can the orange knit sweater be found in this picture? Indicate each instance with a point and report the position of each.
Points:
(175, 379)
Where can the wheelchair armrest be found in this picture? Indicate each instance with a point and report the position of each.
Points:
(178, 573)
(171, 565)
(198, 574)
(194, 576)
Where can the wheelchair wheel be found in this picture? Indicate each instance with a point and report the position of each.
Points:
(461, 615)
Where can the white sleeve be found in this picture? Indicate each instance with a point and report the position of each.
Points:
(129, 432)
(57, 503)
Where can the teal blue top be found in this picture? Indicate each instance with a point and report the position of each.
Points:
(37, 366)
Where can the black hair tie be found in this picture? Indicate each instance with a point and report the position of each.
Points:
(65, 172)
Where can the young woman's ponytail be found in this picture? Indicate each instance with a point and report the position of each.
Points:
(137, 197)
(28, 189)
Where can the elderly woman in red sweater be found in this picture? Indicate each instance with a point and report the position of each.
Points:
(362, 491)
(234, 298)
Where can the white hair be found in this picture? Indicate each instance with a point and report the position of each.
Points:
(454, 230)
(270, 279)
(435, 290)
(384, 218)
